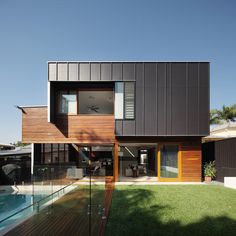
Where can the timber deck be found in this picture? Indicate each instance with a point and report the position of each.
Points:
(69, 215)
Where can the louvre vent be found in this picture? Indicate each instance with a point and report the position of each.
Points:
(129, 100)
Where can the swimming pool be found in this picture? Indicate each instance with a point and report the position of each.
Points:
(17, 207)
(13, 203)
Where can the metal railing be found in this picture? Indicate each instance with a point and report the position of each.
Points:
(37, 203)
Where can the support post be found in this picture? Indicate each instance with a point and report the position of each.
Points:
(116, 164)
(32, 168)
(32, 160)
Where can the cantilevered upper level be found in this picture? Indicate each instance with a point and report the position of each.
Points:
(146, 98)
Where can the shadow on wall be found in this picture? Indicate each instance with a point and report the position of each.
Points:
(132, 214)
(86, 134)
(62, 125)
(92, 136)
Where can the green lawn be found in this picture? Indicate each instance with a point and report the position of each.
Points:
(172, 210)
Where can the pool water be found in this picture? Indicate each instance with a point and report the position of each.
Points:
(12, 203)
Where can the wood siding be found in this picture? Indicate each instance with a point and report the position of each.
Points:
(191, 163)
(68, 129)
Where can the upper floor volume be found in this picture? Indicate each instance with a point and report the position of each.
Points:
(145, 98)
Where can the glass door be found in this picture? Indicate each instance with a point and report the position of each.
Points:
(169, 163)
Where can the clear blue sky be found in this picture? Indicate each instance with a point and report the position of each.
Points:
(34, 32)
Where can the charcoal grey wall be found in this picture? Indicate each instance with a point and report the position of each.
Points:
(224, 154)
(172, 98)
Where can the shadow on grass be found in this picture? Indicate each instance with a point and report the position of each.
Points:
(132, 214)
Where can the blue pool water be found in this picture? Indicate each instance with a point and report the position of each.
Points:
(12, 203)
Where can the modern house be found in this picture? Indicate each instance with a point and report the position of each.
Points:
(141, 120)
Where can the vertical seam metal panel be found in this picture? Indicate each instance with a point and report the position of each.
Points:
(209, 91)
(171, 98)
(187, 132)
(78, 71)
(90, 76)
(157, 98)
(198, 100)
(144, 128)
(67, 70)
(135, 99)
(111, 71)
(165, 100)
(100, 72)
(122, 121)
(56, 71)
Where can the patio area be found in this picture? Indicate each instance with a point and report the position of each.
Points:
(70, 214)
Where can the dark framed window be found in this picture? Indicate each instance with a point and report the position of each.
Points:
(96, 102)
(68, 102)
(86, 102)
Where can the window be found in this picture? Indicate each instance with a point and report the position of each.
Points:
(68, 102)
(119, 100)
(96, 102)
(124, 100)
(129, 100)
(169, 161)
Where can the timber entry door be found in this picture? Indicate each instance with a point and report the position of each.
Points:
(169, 164)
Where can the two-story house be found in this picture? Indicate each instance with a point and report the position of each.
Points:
(132, 119)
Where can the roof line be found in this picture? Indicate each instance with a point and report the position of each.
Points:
(29, 106)
(7, 145)
(146, 61)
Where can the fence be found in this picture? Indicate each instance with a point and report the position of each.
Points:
(224, 154)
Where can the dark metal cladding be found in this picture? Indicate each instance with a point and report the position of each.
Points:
(224, 153)
(171, 98)
(150, 99)
(139, 116)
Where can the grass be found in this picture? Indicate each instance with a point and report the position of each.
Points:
(172, 210)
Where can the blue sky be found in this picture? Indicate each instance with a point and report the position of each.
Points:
(34, 32)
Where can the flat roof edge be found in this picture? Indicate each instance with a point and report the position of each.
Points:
(32, 106)
(146, 61)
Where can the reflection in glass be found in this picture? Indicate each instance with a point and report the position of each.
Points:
(68, 103)
(169, 161)
(96, 102)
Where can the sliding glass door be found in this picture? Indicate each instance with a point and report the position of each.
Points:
(169, 163)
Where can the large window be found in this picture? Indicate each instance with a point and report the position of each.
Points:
(68, 102)
(96, 102)
(91, 102)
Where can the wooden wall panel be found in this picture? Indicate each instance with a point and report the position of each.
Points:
(191, 163)
(68, 129)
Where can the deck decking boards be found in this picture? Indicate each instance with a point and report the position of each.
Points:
(108, 199)
(68, 215)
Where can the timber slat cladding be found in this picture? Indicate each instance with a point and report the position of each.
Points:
(67, 129)
(191, 163)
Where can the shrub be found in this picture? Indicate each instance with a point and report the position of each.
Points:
(210, 169)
